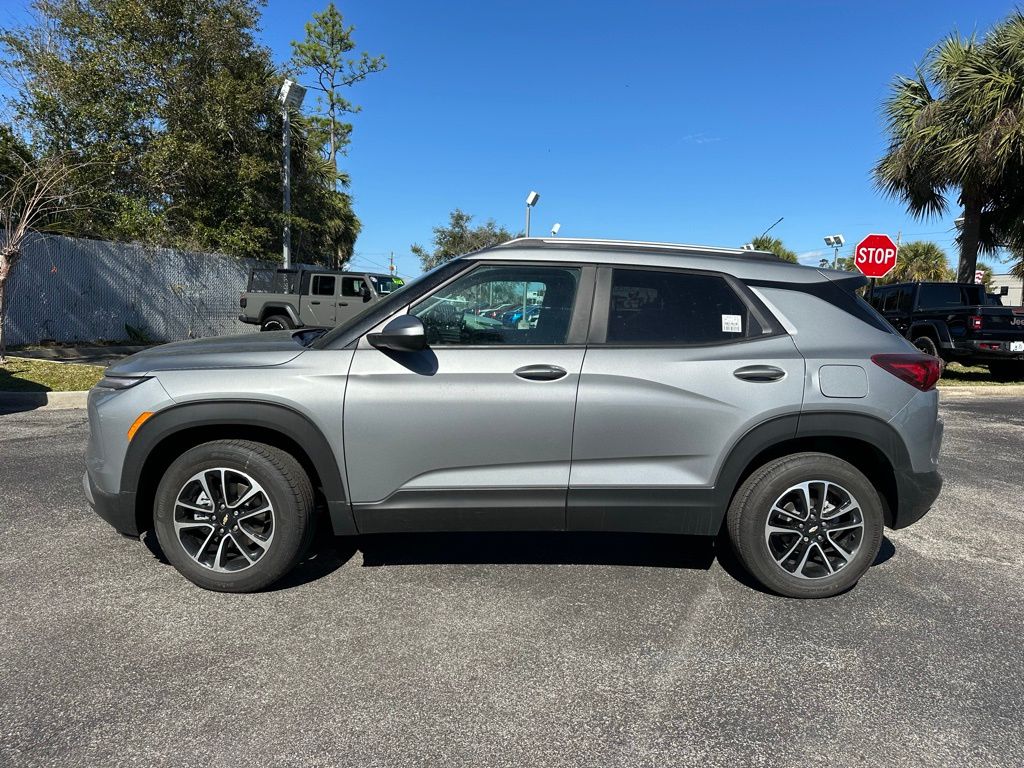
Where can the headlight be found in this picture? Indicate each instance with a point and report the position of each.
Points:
(121, 382)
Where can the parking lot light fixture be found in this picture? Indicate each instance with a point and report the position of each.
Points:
(531, 200)
(290, 97)
(836, 242)
(555, 228)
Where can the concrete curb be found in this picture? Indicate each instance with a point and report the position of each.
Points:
(27, 401)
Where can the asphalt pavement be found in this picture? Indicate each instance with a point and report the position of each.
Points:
(514, 650)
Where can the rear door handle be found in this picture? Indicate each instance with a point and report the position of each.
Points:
(540, 372)
(315, 302)
(342, 303)
(759, 373)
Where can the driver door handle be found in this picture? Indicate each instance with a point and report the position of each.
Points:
(540, 372)
(759, 373)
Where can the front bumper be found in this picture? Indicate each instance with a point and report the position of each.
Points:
(117, 509)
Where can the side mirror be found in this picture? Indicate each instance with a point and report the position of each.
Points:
(403, 334)
(366, 293)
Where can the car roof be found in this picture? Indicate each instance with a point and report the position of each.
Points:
(742, 263)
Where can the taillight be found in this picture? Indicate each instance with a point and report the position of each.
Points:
(975, 321)
(242, 302)
(919, 371)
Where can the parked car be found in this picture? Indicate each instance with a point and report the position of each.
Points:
(670, 389)
(957, 322)
(310, 297)
(513, 317)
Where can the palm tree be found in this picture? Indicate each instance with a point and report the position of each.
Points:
(954, 128)
(921, 261)
(773, 245)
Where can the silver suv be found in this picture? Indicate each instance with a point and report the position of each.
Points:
(539, 385)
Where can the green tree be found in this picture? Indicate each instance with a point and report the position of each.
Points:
(954, 129)
(773, 245)
(171, 107)
(458, 238)
(324, 55)
(921, 260)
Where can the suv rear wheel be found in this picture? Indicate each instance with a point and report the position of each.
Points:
(806, 525)
(234, 515)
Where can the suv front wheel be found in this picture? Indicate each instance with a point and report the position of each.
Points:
(234, 515)
(806, 525)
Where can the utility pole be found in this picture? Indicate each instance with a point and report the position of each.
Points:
(290, 96)
(391, 264)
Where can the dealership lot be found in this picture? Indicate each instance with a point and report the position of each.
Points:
(512, 649)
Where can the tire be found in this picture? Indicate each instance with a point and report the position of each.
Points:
(927, 345)
(1006, 370)
(277, 323)
(845, 487)
(257, 549)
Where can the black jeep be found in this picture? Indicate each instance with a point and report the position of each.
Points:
(957, 322)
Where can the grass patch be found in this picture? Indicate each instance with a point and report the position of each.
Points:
(975, 375)
(21, 374)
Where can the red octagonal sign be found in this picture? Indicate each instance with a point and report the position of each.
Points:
(875, 255)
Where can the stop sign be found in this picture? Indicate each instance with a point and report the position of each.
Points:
(875, 255)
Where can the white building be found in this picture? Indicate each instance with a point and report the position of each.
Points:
(1014, 298)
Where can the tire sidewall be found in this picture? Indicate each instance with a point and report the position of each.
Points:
(748, 530)
(282, 323)
(927, 345)
(290, 522)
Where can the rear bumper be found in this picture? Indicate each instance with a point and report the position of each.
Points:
(117, 509)
(975, 351)
(917, 492)
(249, 320)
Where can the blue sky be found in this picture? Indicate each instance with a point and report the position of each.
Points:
(699, 122)
(691, 122)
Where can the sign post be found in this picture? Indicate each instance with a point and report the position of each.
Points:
(875, 257)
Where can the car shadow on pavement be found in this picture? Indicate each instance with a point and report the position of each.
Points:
(555, 548)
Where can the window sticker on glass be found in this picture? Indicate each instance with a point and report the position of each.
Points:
(732, 324)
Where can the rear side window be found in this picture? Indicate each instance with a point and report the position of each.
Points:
(323, 285)
(940, 296)
(675, 308)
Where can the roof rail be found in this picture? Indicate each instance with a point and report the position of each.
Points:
(595, 244)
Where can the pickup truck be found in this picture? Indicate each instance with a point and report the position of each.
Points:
(957, 322)
(310, 297)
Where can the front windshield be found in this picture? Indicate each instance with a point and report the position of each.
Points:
(389, 304)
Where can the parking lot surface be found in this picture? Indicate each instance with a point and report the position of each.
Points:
(515, 650)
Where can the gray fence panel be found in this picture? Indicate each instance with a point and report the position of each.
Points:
(72, 290)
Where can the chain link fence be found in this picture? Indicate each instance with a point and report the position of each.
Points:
(71, 290)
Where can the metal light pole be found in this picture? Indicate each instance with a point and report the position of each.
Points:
(290, 96)
(531, 200)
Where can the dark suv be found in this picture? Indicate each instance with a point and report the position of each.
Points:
(957, 322)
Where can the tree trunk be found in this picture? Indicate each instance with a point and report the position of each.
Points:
(970, 235)
(5, 271)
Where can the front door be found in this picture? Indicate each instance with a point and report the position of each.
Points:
(474, 432)
(354, 296)
(320, 303)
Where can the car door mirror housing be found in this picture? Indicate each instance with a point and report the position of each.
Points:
(403, 334)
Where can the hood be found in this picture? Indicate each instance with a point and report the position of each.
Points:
(251, 350)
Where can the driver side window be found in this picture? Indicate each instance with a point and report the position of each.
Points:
(502, 305)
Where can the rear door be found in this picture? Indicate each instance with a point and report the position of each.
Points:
(680, 364)
(320, 302)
